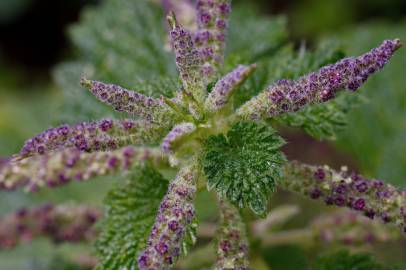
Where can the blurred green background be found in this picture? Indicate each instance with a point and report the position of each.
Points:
(34, 40)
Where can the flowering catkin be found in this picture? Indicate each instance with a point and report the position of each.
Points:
(131, 102)
(188, 60)
(226, 86)
(175, 214)
(59, 168)
(106, 134)
(321, 86)
(212, 19)
(373, 198)
(62, 223)
(232, 242)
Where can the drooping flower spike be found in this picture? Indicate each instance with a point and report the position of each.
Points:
(176, 213)
(212, 19)
(226, 86)
(103, 135)
(59, 168)
(321, 86)
(131, 102)
(232, 242)
(62, 223)
(373, 198)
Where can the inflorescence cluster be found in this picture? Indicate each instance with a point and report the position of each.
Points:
(181, 124)
(374, 198)
(63, 223)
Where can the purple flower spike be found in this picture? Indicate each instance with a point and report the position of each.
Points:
(131, 102)
(232, 249)
(178, 133)
(59, 168)
(350, 228)
(321, 86)
(175, 215)
(226, 86)
(63, 223)
(342, 189)
(103, 135)
(212, 19)
(188, 59)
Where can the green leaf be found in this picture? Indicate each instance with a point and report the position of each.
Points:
(342, 260)
(323, 121)
(130, 213)
(244, 165)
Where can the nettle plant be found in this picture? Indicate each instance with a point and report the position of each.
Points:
(215, 131)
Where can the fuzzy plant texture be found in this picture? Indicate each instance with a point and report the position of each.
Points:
(211, 126)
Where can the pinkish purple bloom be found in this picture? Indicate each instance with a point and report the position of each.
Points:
(61, 167)
(63, 223)
(106, 134)
(321, 86)
(175, 215)
(212, 18)
(188, 59)
(232, 249)
(178, 133)
(226, 86)
(340, 189)
(128, 101)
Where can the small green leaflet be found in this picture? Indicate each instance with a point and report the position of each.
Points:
(244, 165)
(130, 213)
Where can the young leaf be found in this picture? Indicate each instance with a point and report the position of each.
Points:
(244, 165)
(131, 211)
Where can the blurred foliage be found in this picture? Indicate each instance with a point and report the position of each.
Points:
(376, 134)
(11, 9)
(342, 260)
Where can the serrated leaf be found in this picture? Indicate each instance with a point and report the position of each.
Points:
(342, 260)
(130, 213)
(244, 165)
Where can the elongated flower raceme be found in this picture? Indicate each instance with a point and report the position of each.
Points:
(106, 134)
(372, 197)
(232, 247)
(188, 60)
(212, 18)
(184, 10)
(226, 86)
(62, 223)
(58, 168)
(175, 215)
(128, 101)
(321, 86)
